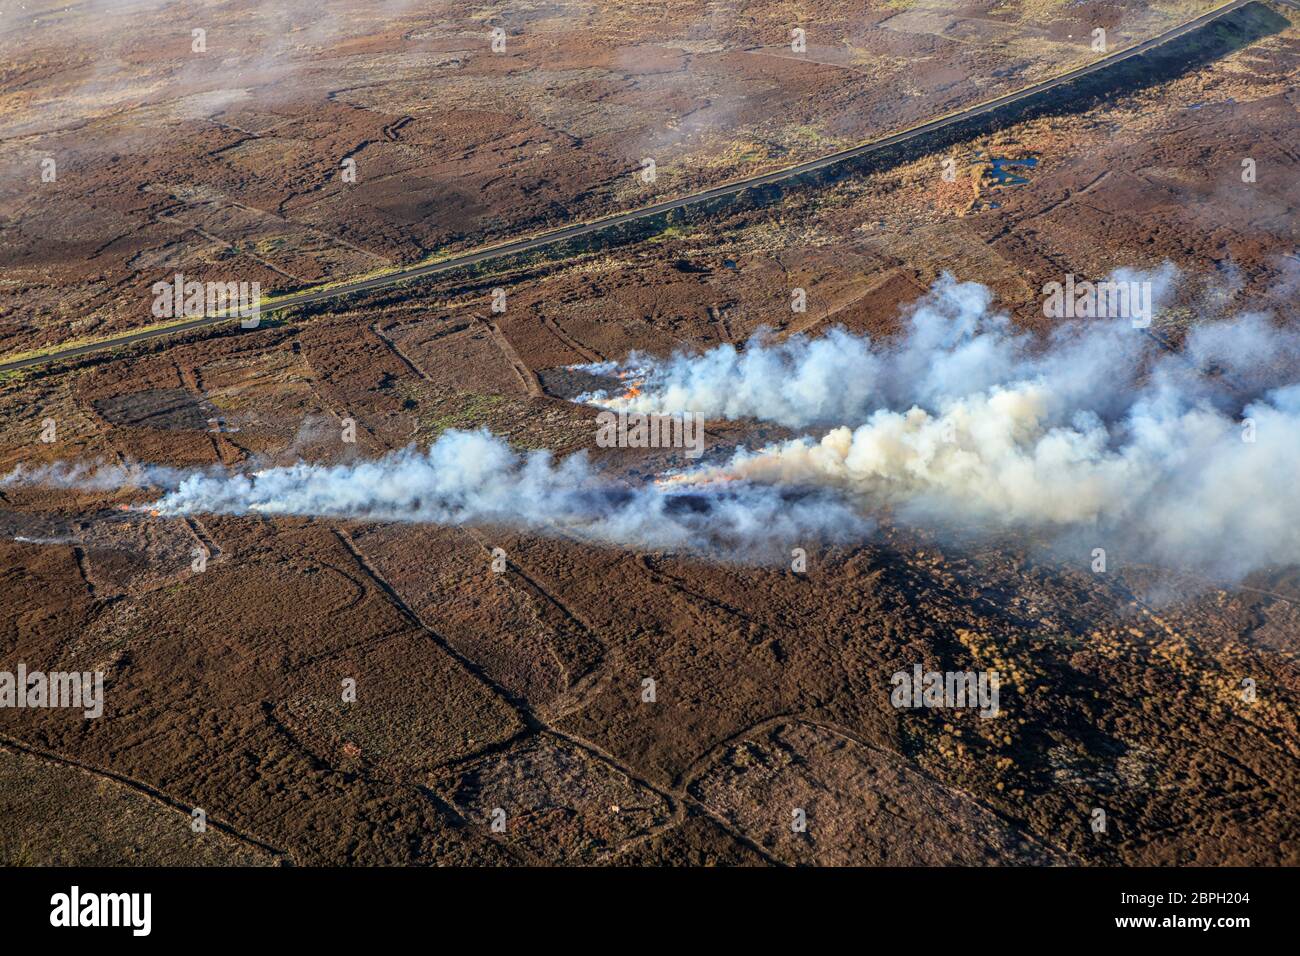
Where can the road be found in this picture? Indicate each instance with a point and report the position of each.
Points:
(541, 240)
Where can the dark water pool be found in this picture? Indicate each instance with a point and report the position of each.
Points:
(1002, 174)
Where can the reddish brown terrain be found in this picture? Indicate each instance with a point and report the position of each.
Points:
(522, 691)
(226, 163)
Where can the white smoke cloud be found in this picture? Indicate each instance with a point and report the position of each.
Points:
(953, 344)
(827, 379)
(1185, 459)
(1174, 485)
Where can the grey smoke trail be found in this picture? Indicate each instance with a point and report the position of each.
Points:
(476, 478)
(95, 476)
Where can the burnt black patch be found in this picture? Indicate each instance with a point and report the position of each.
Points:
(166, 409)
(569, 383)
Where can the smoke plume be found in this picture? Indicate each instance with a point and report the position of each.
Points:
(1098, 433)
(1183, 458)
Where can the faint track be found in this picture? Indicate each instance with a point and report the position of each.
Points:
(79, 555)
(139, 786)
(401, 356)
(189, 379)
(722, 328)
(692, 774)
(557, 330)
(392, 594)
(322, 380)
(201, 534)
(392, 129)
(809, 322)
(532, 385)
(538, 592)
(673, 583)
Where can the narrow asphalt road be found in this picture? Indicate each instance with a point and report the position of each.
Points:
(581, 229)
